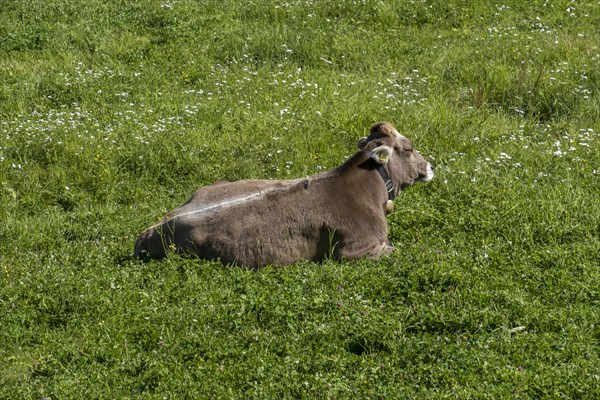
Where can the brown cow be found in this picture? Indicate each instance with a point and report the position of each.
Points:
(339, 213)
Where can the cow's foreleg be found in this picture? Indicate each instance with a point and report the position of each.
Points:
(383, 249)
(372, 252)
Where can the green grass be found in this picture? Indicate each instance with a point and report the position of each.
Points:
(112, 113)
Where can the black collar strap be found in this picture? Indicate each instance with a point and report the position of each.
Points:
(389, 185)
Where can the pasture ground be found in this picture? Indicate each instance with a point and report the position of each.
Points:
(112, 113)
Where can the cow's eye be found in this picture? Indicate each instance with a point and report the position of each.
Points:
(408, 151)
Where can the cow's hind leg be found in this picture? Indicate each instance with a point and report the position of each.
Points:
(150, 242)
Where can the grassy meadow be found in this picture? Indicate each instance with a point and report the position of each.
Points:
(114, 112)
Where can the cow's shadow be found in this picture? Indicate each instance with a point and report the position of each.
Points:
(123, 260)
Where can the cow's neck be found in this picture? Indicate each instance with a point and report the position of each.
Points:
(366, 175)
(389, 185)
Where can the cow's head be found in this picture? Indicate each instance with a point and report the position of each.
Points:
(389, 148)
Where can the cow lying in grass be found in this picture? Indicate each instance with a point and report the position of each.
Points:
(339, 213)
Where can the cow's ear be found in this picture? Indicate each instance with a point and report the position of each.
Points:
(362, 143)
(381, 154)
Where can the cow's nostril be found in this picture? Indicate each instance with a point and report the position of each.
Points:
(432, 167)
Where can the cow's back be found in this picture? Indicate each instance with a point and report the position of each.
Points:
(251, 223)
(277, 224)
